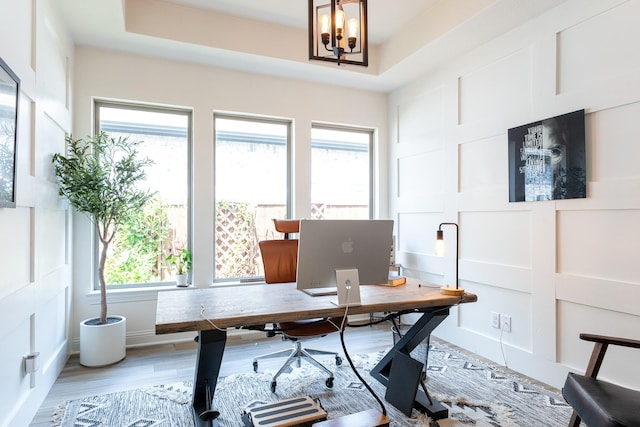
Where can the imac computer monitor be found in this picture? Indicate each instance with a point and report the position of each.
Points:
(327, 245)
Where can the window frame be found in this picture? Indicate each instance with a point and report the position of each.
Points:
(148, 107)
(289, 123)
(355, 129)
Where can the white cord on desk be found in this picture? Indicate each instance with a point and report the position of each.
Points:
(344, 319)
(203, 308)
(346, 310)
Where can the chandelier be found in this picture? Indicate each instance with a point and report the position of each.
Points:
(338, 31)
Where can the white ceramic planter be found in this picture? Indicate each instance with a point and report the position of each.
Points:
(181, 280)
(102, 345)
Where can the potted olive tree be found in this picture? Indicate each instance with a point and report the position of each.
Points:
(100, 177)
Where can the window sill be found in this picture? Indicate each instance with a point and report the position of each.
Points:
(118, 296)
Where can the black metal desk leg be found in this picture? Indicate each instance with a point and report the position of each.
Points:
(210, 349)
(411, 339)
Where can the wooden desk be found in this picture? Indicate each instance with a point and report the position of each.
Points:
(198, 310)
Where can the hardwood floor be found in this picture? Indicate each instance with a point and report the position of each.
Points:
(161, 364)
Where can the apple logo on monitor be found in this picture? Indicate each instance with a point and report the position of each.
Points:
(347, 247)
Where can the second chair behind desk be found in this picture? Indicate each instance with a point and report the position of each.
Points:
(280, 257)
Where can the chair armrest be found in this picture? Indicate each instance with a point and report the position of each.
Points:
(626, 342)
(599, 349)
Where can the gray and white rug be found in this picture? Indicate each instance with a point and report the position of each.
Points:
(476, 394)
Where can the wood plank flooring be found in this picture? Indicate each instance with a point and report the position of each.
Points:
(161, 364)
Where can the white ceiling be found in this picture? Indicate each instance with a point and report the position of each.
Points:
(385, 17)
(408, 37)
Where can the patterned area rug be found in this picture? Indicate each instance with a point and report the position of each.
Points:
(476, 394)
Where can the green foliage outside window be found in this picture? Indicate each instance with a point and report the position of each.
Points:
(138, 250)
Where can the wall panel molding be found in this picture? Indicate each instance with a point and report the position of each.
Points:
(598, 293)
(499, 276)
(588, 56)
(494, 86)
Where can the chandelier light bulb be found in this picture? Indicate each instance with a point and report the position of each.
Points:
(353, 27)
(339, 23)
(324, 24)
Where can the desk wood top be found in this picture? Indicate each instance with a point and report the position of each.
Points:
(245, 305)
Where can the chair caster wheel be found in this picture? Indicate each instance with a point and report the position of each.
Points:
(338, 360)
(255, 366)
(329, 382)
(273, 386)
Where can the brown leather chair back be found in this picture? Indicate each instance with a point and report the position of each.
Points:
(280, 260)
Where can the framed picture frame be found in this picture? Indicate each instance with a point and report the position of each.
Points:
(9, 99)
(547, 159)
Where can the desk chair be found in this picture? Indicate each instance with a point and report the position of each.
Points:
(596, 402)
(280, 259)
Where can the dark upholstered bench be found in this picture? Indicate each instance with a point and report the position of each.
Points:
(596, 402)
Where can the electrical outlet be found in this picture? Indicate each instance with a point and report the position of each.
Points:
(495, 320)
(505, 321)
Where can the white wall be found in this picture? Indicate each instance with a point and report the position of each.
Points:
(558, 268)
(112, 75)
(35, 290)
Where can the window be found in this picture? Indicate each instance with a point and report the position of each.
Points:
(137, 255)
(341, 178)
(251, 187)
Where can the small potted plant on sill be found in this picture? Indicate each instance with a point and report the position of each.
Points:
(101, 177)
(180, 261)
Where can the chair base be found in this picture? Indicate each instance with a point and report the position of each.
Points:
(296, 355)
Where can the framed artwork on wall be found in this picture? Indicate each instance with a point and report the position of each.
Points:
(547, 159)
(9, 97)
